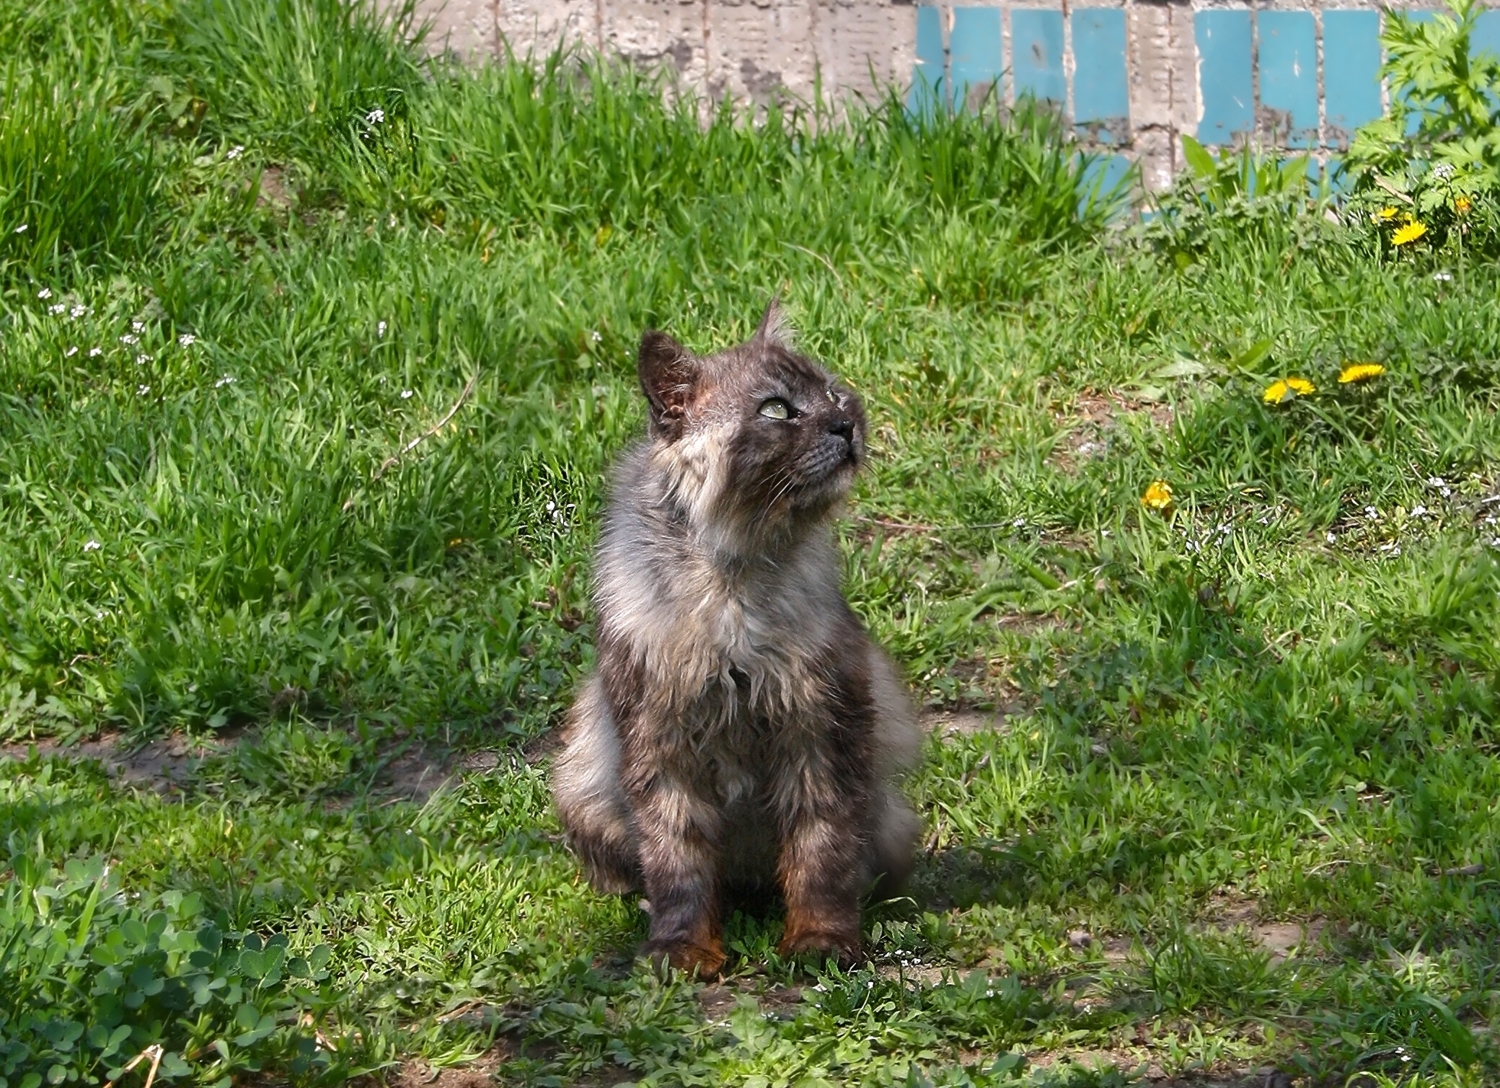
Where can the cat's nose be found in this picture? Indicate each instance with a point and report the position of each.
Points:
(842, 426)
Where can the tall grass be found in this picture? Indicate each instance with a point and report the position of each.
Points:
(78, 177)
(580, 143)
(293, 77)
(192, 528)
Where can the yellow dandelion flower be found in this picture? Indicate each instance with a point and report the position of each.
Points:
(1360, 372)
(1386, 214)
(1409, 233)
(1462, 205)
(1279, 392)
(1158, 497)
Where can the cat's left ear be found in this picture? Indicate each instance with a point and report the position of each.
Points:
(669, 378)
(774, 327)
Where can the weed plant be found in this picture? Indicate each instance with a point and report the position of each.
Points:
(313, 355)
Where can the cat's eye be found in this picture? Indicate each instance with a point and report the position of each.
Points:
(776, 408)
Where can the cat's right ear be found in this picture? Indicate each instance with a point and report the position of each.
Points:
(669, 378)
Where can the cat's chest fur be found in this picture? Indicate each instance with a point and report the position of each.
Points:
(717, 645)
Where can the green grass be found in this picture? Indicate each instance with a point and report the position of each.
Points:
(1276, 706)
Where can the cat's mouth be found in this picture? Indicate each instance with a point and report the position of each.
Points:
(835, 465)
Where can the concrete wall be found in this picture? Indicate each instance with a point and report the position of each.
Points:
(1134, 75)
(750, 49)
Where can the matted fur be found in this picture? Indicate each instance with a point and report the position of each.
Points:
(740, 732)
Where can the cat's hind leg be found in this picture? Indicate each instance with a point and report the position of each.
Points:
(590, 799)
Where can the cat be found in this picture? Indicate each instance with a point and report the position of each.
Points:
(740, 733)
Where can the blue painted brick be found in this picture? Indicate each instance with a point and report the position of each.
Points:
(1225, 86)
(1351, 72)
(1101, 176)
(1288, 55)
(1101, 85)
(975, 55)
(1036, 46)
(927, 82)
(1486, 36)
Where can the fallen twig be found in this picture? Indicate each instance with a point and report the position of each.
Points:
(1395, 192)
(1465, 870)
(827, 263)
(911, 527)
(415, 442)
(462, 1010)
(434, 429)
(154, 1053)
(1316, 869)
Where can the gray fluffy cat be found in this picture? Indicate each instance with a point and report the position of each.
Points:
(740, 732)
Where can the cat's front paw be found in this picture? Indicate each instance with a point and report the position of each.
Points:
(687, 956)
(839, 945)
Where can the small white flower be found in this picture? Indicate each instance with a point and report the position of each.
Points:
(1435, 481)
(92, 546)
(1442, 277)
(225, 380)
(595, 336)
(77, 312)
(1443, 170)
(234, 153)
(1418, 510)
(1331, 537)
(406, 394)
(72, 351)
(22, 228)
(1019, 523)
(95, 351)
(380, 329)
(142, 360)
(1372, 514)
(128, 339)
(45, 292)
(142, 390)
(551, 506)
(375, 116)
(137, 326)
(187, 339)
(59, 308)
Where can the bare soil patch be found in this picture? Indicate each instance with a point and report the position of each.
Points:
(164, 765)
(406, 771)
(1092, 420)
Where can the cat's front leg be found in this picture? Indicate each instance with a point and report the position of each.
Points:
(680, 863)
(823, 861)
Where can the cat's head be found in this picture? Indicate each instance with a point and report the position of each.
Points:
(756, 440)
